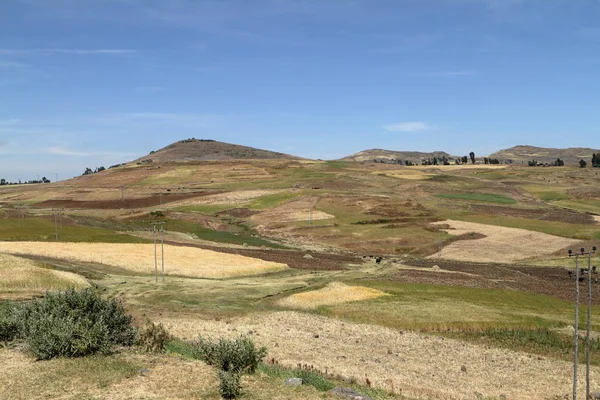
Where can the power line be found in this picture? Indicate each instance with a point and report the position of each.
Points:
(578, 278)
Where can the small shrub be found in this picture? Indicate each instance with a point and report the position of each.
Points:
(229, 384)
(237, 355)
(153, 337)
(73, 324)
(8, 324)
(157, 214)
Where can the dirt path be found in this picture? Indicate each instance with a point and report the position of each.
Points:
(413, 364)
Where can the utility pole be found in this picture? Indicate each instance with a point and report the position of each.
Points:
(589, 254)
(155, 232)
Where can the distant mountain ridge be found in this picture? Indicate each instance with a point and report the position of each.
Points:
(209, 150)
(382, 154)
(522, 154)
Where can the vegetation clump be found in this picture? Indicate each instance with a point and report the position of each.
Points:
(153, 337)
(70, 324)
(237, 355)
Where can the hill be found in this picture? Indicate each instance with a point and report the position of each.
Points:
(381, 154)
(523, 154)
(209, 150)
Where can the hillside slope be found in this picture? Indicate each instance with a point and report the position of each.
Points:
(209, 150)
(523, 154)
(382, 154)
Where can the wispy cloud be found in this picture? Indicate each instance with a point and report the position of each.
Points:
(412, 126)
(64, 151)
(49, 51)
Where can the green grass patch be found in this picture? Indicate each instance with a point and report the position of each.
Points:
(40, 229)
(564, 229)
(440, 308)
(272, 200)
(541, 341)
(208, 209)
(484, 197)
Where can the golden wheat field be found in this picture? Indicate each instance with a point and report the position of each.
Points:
(19, 274)
(333, 293)
(182, 261)
(500, 244)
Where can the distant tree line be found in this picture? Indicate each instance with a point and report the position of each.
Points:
(89, 171)
(4, 182)
(596, 160)
(557, 163)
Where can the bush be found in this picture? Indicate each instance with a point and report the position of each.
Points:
(237, 355)
(73, 324)
(8, 324)
(229, 384)
(153, 338)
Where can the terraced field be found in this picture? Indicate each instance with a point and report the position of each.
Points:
(409, 273)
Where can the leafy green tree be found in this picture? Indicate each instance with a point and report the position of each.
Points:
(582, 164)
(464, 159)
(472, 156)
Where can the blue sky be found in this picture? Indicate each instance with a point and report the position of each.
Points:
(98, 82)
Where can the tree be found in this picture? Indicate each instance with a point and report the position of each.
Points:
(559, 163)
(485, 160)
(3, 182)
(596, 160)
(472, 156)
(88, 171)
(582, 164)
(464, 159)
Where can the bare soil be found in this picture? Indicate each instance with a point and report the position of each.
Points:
(551, 281)
(293, 258)
(150, 201)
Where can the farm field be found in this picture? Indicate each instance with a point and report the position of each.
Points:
(387, 276)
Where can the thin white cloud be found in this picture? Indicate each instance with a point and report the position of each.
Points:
(63, 151)
(26, 52)
(411, 126)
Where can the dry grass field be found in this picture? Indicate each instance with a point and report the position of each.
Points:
(501, 244)
(22, 277)
(333, 293)
(412, 364)
(128, 376)
(182, 261)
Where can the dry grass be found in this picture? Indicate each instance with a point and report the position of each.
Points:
(597, 218)
(419, 365)
(302, 209)
(501, 244)
(21, 275)
(127, 376)
(410, 174)
(237, 197)
(184, 261)
(333, 293)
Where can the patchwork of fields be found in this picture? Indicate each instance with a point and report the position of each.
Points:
(397, 275)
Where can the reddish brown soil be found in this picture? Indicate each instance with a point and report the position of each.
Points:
(293, 258)
(150, 201)
(551, 281)
(554, 214)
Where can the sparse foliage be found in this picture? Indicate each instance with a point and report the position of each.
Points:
(229, 384)
(239, 354)
(153, 337)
